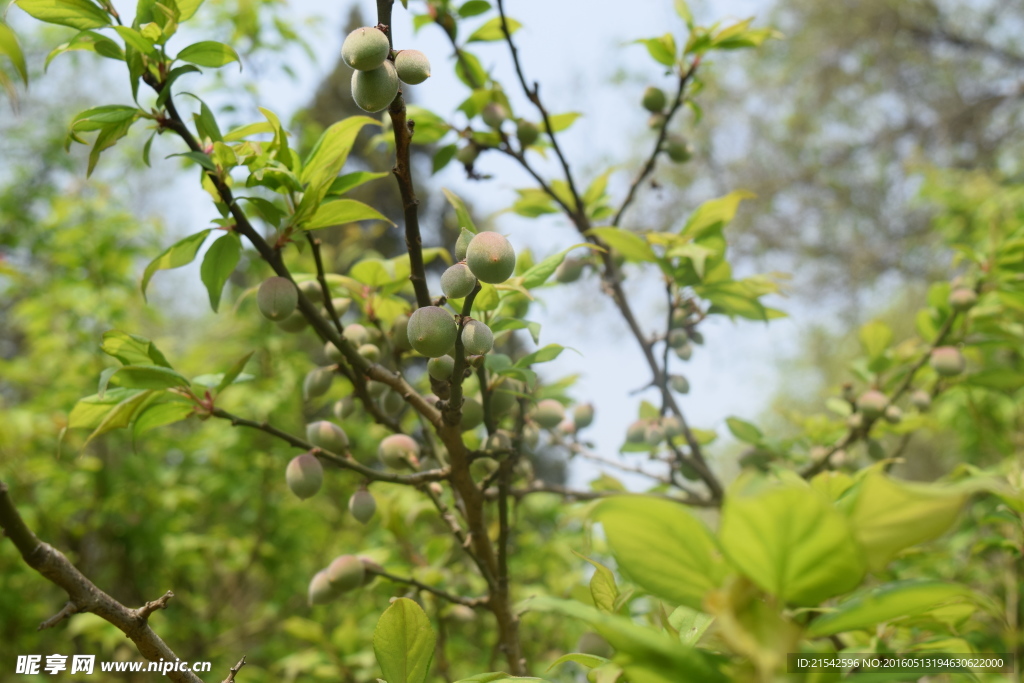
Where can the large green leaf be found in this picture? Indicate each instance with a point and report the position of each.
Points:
(792, 543)
(539, 273)
(629, 244)
(461, 211)
(341, 211)
(888, 602)
(143, 377)
(404, 642)
(178, 254)
(162, 414)
(89, 412)
(9, 46)
(662, 547)
(218, 264)
(132, 349)
(602, 586)
(326, 159)
(208, 53)
(80, 14)
(714, 213)
(493, 30)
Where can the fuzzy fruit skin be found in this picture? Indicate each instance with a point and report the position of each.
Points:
(311, 290)
(549, 413)
(636, 432)
(333, 353)
(503, 396)
(947, 361)
(392, 402)
(365, 48)
(677, 339)
(531, 435)
(583, 415)
(344, 408)
(494, 114)
(466, 156)
(477, 338)
(376, 389)
(499, 441)
(491, 257)
(317, 383)
(678, 149)
(457, 282)
(362, 505)
(472, 414)
(277, 298)
(527, 133)
(872, 404)
(340, 305)
(684, 352)
(673, 426)
(374, 90)
(400, 333)
(569, 270)
(413, 66)
(320, 589)
(369, 352)
(893, 414)
(328, 436)
(962, 299)
(656, 121)
(654, 434)
(296, 322)
(462, 243)
(357, 334)
(346, 573)
(432, 331)
(399, 451)
(921, 400)
(654, 99)
(679, 384)
(441, 368)
(305, 475)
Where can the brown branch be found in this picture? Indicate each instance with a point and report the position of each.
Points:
(419, 585)
(233, 671)
(83, 593)
(321, 276)
(66, 611)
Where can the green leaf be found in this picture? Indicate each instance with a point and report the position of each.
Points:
(162, 414)
(144, 377)
(187, 8)
(560, 122)
(429, 127)
(233, 373)
(201, 158)
(473, 8)
(341, 211)
(662, 49)
(662, 547)
(792, 543)
(889, 515)
(80, 14)
(325, 161)
(589, 661)
(350, 181)
(91, 41)
(442, 157)
(404, 642)
(9, 46)
(744, 431)
(100, 117)
(470, 71)
(121, 414)
(245, 131)
(495, 677)
(714, 213)
(886, 603)
(691, 624)
(136, 40)
(875, 337)
(90, 411)
(179, 254)
(108, 137)
(492, 30)
(539, 273)
(629, 244)
(267, 209)
(683, 10)
(132, 349)
(218, 264)
(209, 53)
(461, 212)
(602, 586)
(543, 355)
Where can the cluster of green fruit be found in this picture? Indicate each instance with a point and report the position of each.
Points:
(653, 432)
(344, 574)
(494, 115)
(278, 298)
(675, 146)
(376, 79)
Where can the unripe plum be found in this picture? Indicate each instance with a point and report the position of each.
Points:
(392, 402)
(346, 573)
(921, 400)
(872, 404)
(962, 299)
(477, 338)
(277, 298)
(947, 361)
(654, 99)
(413, 66)
(399, 451)
(569, 270)
(400, 333)
(679, 384)
(312, 290)
(583, 415)
(636, 432)
(374, 90)
(527, 133)
(357, 334)
(333, 353)
(317, 382)
(678, 149)
(441, 368)
(549, 413)
(305, 475)
(467, 155)
(491, 258)
(369, 352)
(432, 331)
(328, 436)
(362, 505)
(893, 414)
(320, 589)
(494, 114)
(457, 282)
(344, 408)
(462, 243)
(472, 414)
(365, 48)
(296, 322)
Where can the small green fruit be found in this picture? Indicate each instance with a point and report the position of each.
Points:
(549, 413)
(962, 299)
(872, 404)
(277, 298)
(672, 425)
(504, 396)
(362, 505)
(499, 441)
(369, 352)
(531, 434)
(636, 432)
(654, 434)
(679, 384)
(333, 353)
(491, 257)
(413, 66)
(654, 99)
(462, 243)
(317, 383)
(947, 361)
(569, 270)
(365, 48)
(392, 402)
(374, 90)
(432, 331)
(305, 475)
(472, 414)
(399, 451)
(457, 282)
(312, 290)
(696, 337)
(684, 352)
(376, 389)
(893, 414)
(678, 149)
(527, 133)
(441, 368)
(400, 333)
(583, 415)
(678, 339)
(344, 408)
(328, 436)
(296, 322)
(855, 421)
(320, 589)
(921, 400)
(357, 334)
(656, 121)
(346, 573)
(494, 114)
(340, 305)
(477, 338)
(466, 156)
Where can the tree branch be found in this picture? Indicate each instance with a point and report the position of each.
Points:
(419, 585)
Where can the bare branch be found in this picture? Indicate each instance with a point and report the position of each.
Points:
(419, 585)
(233, 671)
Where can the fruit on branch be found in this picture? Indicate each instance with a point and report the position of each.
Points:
(441, 368)
(893, 414)
(305, 475)
(500, 440)
(357, 334)
(413, 66)
(636, 431)
(491, 257)
(872, 403)
(296, 322)
(317, 383)
(346, 572)
(477, 338)
(320, 589)
(466, 156)
(531, 434)
(656, 121)
(654, 434)
(504, 395)
(672, 425)
(340, 305)
(277, 298)
(344, 408)
(365, 49)
(855, 421)
(962, 299)
(457, 281)
(549, 413)
(527, 133)
(333, 353)
(400, 334)
(472, 414)
(311, 290)
(678, 149)
(583, 415)
(654, 99)
(696, 337)
(680, 318)
(376, 389)
(677, 339)
(462, 243)
(392, 402)
(684, 352)
(494, 114)
(374, 90)
(432, 331)
(362, 505)
(399, 451)
(328, 436)
(370, 569)
(370, 352)
(947, 361)
(679, 384)
(921, 400)
(569, 270)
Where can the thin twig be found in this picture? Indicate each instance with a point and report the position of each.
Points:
(233, 671)
(419, 585)
(66, 611)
